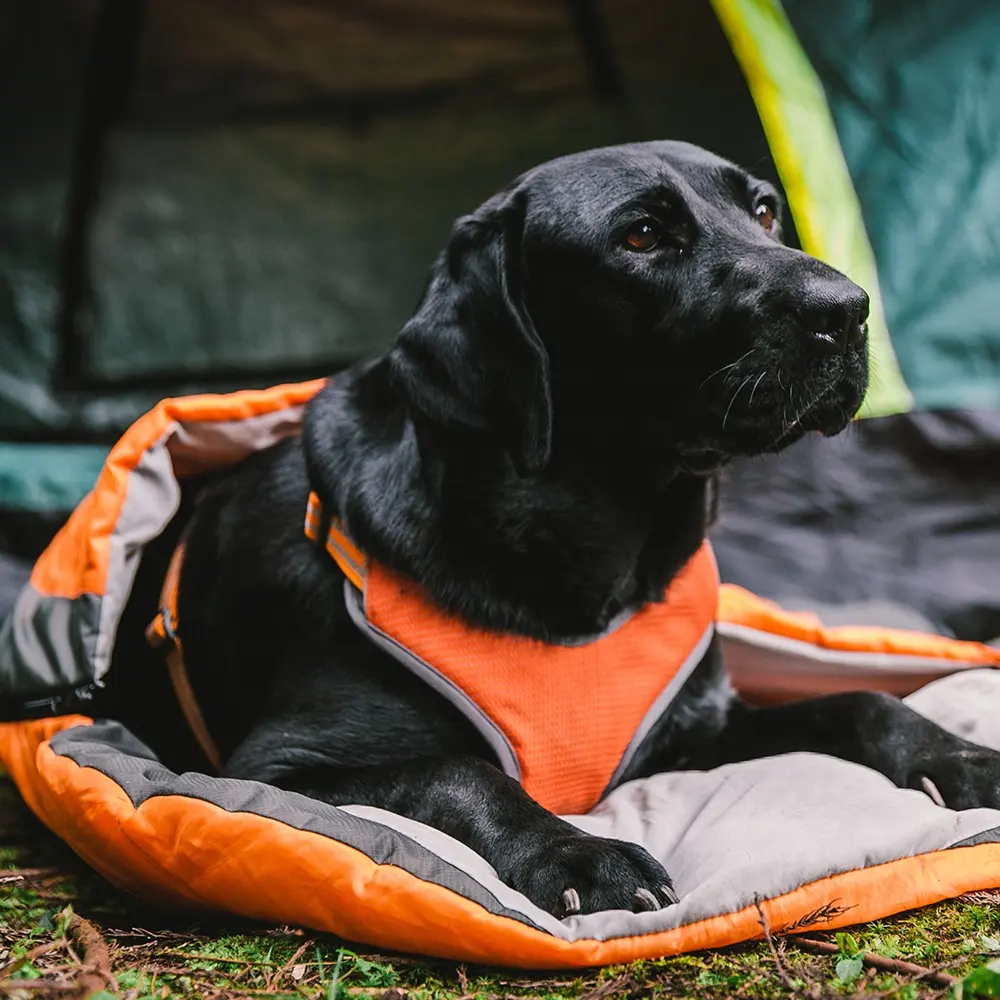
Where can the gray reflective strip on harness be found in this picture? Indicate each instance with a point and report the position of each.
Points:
(493, 735)
(662, 704)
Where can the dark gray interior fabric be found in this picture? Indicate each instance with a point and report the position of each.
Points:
(904, 509)
(914, 88)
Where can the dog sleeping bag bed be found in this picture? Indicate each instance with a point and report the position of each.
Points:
(810, 840)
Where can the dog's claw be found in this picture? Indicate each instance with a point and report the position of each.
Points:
(671, 893)
(645, 900)
(571, 902)
(932, 791)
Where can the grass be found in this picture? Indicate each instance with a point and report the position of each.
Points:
(64, 932)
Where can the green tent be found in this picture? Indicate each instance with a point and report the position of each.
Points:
(213, 195)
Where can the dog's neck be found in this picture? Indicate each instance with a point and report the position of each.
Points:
(552, 555)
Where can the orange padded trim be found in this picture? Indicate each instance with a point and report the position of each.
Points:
(740, 607)
(185, 851)
(76, 561)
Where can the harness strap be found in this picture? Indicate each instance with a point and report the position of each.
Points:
(352, 561)
(162, 631)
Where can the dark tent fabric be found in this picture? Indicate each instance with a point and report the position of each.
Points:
(902, 510)
(254, 191)
(900, 513)
(225, 195)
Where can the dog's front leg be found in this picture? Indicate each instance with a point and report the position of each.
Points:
(557, 866)
(869, 728)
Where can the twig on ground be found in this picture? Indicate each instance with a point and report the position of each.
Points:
(613, 987)
(276, 977)
(254, 963)
(786, 977)
(821, 915)
(40, 985)
(982, 897)
(748, 984)
(95, 973)
(883, 964)
(121, 933)
(17, 874)
(29, 956)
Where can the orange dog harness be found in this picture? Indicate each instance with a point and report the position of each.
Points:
(564, 719)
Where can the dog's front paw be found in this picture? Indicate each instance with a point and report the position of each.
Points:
(583, 874)
(966, 778)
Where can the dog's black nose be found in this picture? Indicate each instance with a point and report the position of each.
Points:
(834, 314)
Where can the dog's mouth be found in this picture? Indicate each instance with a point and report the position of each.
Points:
(827, 413)
(822, 415)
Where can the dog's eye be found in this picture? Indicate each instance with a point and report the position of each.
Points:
(765, 216)
(643, 236)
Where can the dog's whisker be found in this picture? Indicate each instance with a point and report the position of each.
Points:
(733, 400)
(718, 371)
(754, 389)
(726, 368)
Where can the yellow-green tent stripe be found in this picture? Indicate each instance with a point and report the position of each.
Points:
(806, 150)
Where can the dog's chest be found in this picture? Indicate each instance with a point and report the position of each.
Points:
(564, 719)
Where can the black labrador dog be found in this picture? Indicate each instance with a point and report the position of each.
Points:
(535, 452)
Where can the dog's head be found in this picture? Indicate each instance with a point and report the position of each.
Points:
(638, 290)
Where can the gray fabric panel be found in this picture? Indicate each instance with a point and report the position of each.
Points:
(763, 828)
(763, 666)
(755, 829)
(111, 749)
(47, 644)
(966, 704)
(276, 202)
(986, 837)
(498, 742)
(151, 500)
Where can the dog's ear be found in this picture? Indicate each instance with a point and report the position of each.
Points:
(470, 356)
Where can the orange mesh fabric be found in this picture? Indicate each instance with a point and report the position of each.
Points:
(569, 712)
